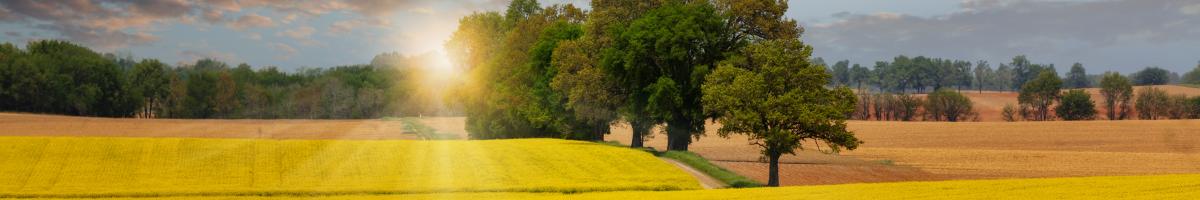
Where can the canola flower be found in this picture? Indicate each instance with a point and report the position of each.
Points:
(1113, 187)
(71, 167)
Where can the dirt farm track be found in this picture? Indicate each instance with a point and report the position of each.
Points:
(893, 151)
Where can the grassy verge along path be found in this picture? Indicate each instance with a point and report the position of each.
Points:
(699, 163)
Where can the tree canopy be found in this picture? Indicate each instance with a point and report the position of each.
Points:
(1039, 94)
(773, 94)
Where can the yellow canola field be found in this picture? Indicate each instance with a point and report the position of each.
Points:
(177, 167)
(1122, 187)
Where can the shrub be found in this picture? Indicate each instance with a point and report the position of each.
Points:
(906, 107)
(1152, 103)
(1009, 113)
(949, 105)
(1076, 105)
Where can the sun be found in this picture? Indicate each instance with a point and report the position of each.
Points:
(440, 66)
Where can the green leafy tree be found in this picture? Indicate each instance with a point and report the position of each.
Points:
(151, 80)
(1040, 93)
(1152, 76)
(1191, 77)
(663, 58)
(949, 105)
(860, 75)
(841, 73)
(1077, 77)
(1117, 92)
(1076, 105)
(772, 94)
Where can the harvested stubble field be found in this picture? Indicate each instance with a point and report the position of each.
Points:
(1130, 187)
(179, 167)
(917, 151)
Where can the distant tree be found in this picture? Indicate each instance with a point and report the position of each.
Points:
(1152, 103)
(983, 75)
(1152, 76)
(1178, 107)
(1076, 104)
(949, 105)
(225, 98)
(841, 73)
(906, 107)
(1191, 77)
(1040, 93)
(860, 75)
(1024, 71)
(1004, 78)
(151, 80)
(1077, 78)
(776, 97)
(201, 90)
(1117, 92)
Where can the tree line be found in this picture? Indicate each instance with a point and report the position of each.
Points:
(58, 77)
(1119, 101)
(921, 74)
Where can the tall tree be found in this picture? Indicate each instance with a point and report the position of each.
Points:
(1040, 93)
(151, 80)
(772, 94)
(1077, 77)
(663, 57)
(1117, 91)
(841, 73)
(983, 75)
(593, 94)
(860, 75)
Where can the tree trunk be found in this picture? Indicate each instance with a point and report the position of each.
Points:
(639, 129)
(678, 136)
(773, 172)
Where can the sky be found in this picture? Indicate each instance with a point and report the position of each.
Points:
(1104, 35)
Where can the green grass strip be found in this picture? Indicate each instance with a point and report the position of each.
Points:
(699, 163)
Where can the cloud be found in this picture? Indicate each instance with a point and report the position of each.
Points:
(286, 51)
(996, 29)
(301, 34)
(12, 34)
(251, 20)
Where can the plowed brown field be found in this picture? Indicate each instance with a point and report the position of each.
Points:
(972, 150)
